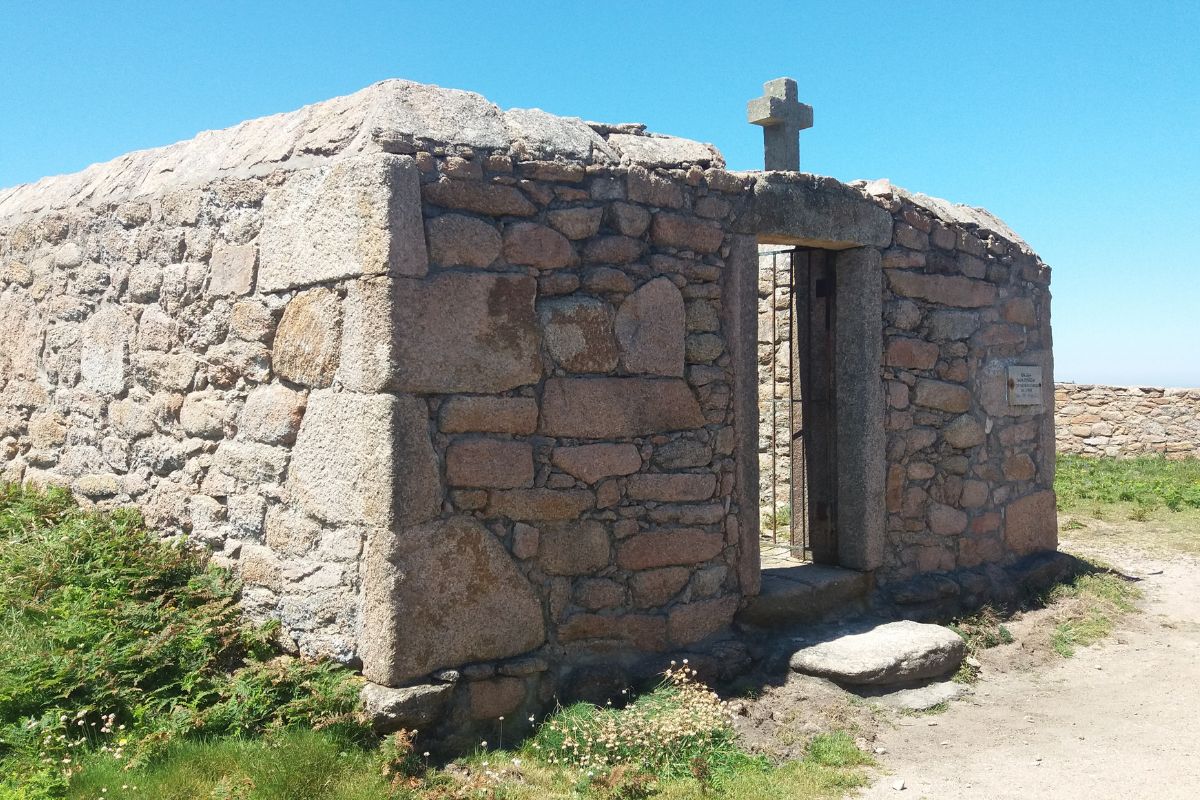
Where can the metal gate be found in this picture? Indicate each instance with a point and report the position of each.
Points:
(798, 407)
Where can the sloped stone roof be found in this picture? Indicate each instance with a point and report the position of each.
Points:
(971, 217)
(395, 116)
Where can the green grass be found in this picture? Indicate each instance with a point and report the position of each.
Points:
(982, 630)
(128, 673)
(1095, 601)
(1148, 482)
(286, 765)
(778, 519)
(118, 642)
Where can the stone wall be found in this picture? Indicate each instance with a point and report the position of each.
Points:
(166, 356)
(467, 396)
(451, 387)
(970, 477)
(1127, 421)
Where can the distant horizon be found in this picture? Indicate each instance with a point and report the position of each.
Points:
(1075, 129)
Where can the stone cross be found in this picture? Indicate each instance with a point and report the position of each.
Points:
(782, 116)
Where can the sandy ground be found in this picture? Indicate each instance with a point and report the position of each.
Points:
(1119, 720)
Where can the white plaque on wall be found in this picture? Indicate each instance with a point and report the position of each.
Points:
(1024, 386)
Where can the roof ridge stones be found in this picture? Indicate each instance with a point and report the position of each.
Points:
(392, 116)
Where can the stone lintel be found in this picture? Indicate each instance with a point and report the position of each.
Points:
(815, 211)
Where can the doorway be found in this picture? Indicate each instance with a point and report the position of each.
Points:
(798, 423)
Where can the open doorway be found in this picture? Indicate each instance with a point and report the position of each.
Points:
(797, 405)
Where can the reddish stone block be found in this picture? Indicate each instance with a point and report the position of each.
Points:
(672, 487)
(573, 548)
(496, 697)
(643, 631)
(691, 622)
(540, 504)
(1031, 523)
(489, 464)
(668, 548)
(909, 353)
(656, 587)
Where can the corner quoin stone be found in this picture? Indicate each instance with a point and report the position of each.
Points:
(343, 461)
(443, 594)
(464, 332)
(1031, 523)
(357, 216)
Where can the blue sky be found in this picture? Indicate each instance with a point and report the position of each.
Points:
(1078, 123)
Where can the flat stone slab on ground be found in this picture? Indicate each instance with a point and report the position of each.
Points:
(895, 652)
(920, 697)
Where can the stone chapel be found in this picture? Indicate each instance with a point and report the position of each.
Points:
(497, 405)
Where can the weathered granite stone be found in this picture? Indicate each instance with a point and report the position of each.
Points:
(271, 415)
(494, 698)
(342, 464)
(964, 432)
(528, 243)
(516, 415)
(947, 290)
(592, 462)
(578, 333)
(357, 216)
(1019, 467)
(576, 223)
(1031, 523)
(456, 240)
(628, 219)
(945, 520)
(482, 198)
(942, 396)
(248, 320)
(366, 353)
(896, 652)
(682, 453)
(818, 211)
(672, 487)
(607, 279)
(232, 269)
(690, 622)
(653, 188)
(603, 408)
(235, 464)
(443, 594)
(308, 340)
(573, 548)
(656, 587)
(205, 414)
(104, 356)
(410, 708)
(460, 332)
(613, 250)
(540, 504)
(650, 327)
(910, 353)
(702, 348)
(668, 548)
(640, 631)
(489, 463)
(686, 233)
(665, 151)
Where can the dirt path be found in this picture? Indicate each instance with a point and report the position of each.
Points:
(1119, 720)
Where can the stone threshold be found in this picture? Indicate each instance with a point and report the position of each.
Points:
(803, 594)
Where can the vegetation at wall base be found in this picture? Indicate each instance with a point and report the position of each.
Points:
(1090, 606)
(128, 673)
(118, 643)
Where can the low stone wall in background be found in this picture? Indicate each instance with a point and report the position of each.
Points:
(1126, 421)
